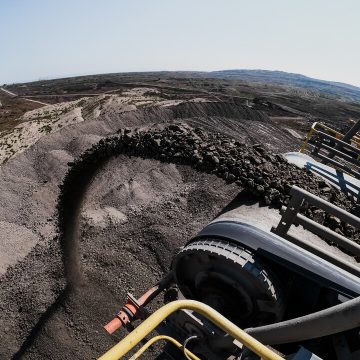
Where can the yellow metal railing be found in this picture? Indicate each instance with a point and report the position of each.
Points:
(191, 355)
(308, 137)
(338, 135)
(154, 320)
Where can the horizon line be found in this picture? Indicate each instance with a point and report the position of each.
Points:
(74, 75)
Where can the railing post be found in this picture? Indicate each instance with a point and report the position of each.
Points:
(352, 132)
(347, 138)
(308, 137)
(290, 215)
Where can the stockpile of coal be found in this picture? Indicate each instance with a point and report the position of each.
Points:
(266, 175)
(234, 109)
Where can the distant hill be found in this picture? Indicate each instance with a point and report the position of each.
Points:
(345, 91)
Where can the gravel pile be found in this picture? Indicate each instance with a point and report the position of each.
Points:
(266, 175)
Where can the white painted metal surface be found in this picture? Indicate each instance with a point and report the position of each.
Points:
(336, 178)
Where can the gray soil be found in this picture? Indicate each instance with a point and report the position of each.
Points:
(164, 205)
(127, 224)
(32, 283)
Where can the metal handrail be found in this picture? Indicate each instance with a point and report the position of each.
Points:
(338, 135)
(153, 340)
(290, 216)
(348, 152)
(154, 320)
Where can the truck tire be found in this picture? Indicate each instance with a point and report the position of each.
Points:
(231, 279)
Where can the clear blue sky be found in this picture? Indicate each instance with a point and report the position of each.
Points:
(48, 38)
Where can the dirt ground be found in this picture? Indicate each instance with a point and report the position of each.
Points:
(170, 203)
(134, 216)
(163, 205)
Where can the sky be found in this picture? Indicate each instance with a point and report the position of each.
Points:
(43, 39)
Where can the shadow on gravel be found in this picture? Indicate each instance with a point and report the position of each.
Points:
(69, 220)
(70, 241)
(45, 317)
(244, 197)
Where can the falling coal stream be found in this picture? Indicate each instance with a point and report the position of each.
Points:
(70, 217)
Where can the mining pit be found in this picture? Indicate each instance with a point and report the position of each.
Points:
(98, 208)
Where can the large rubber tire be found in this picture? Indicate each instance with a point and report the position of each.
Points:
(230, 279)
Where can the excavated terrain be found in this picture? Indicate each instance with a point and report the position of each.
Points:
(99, 206)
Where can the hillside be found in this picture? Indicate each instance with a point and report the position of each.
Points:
(336, 89)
